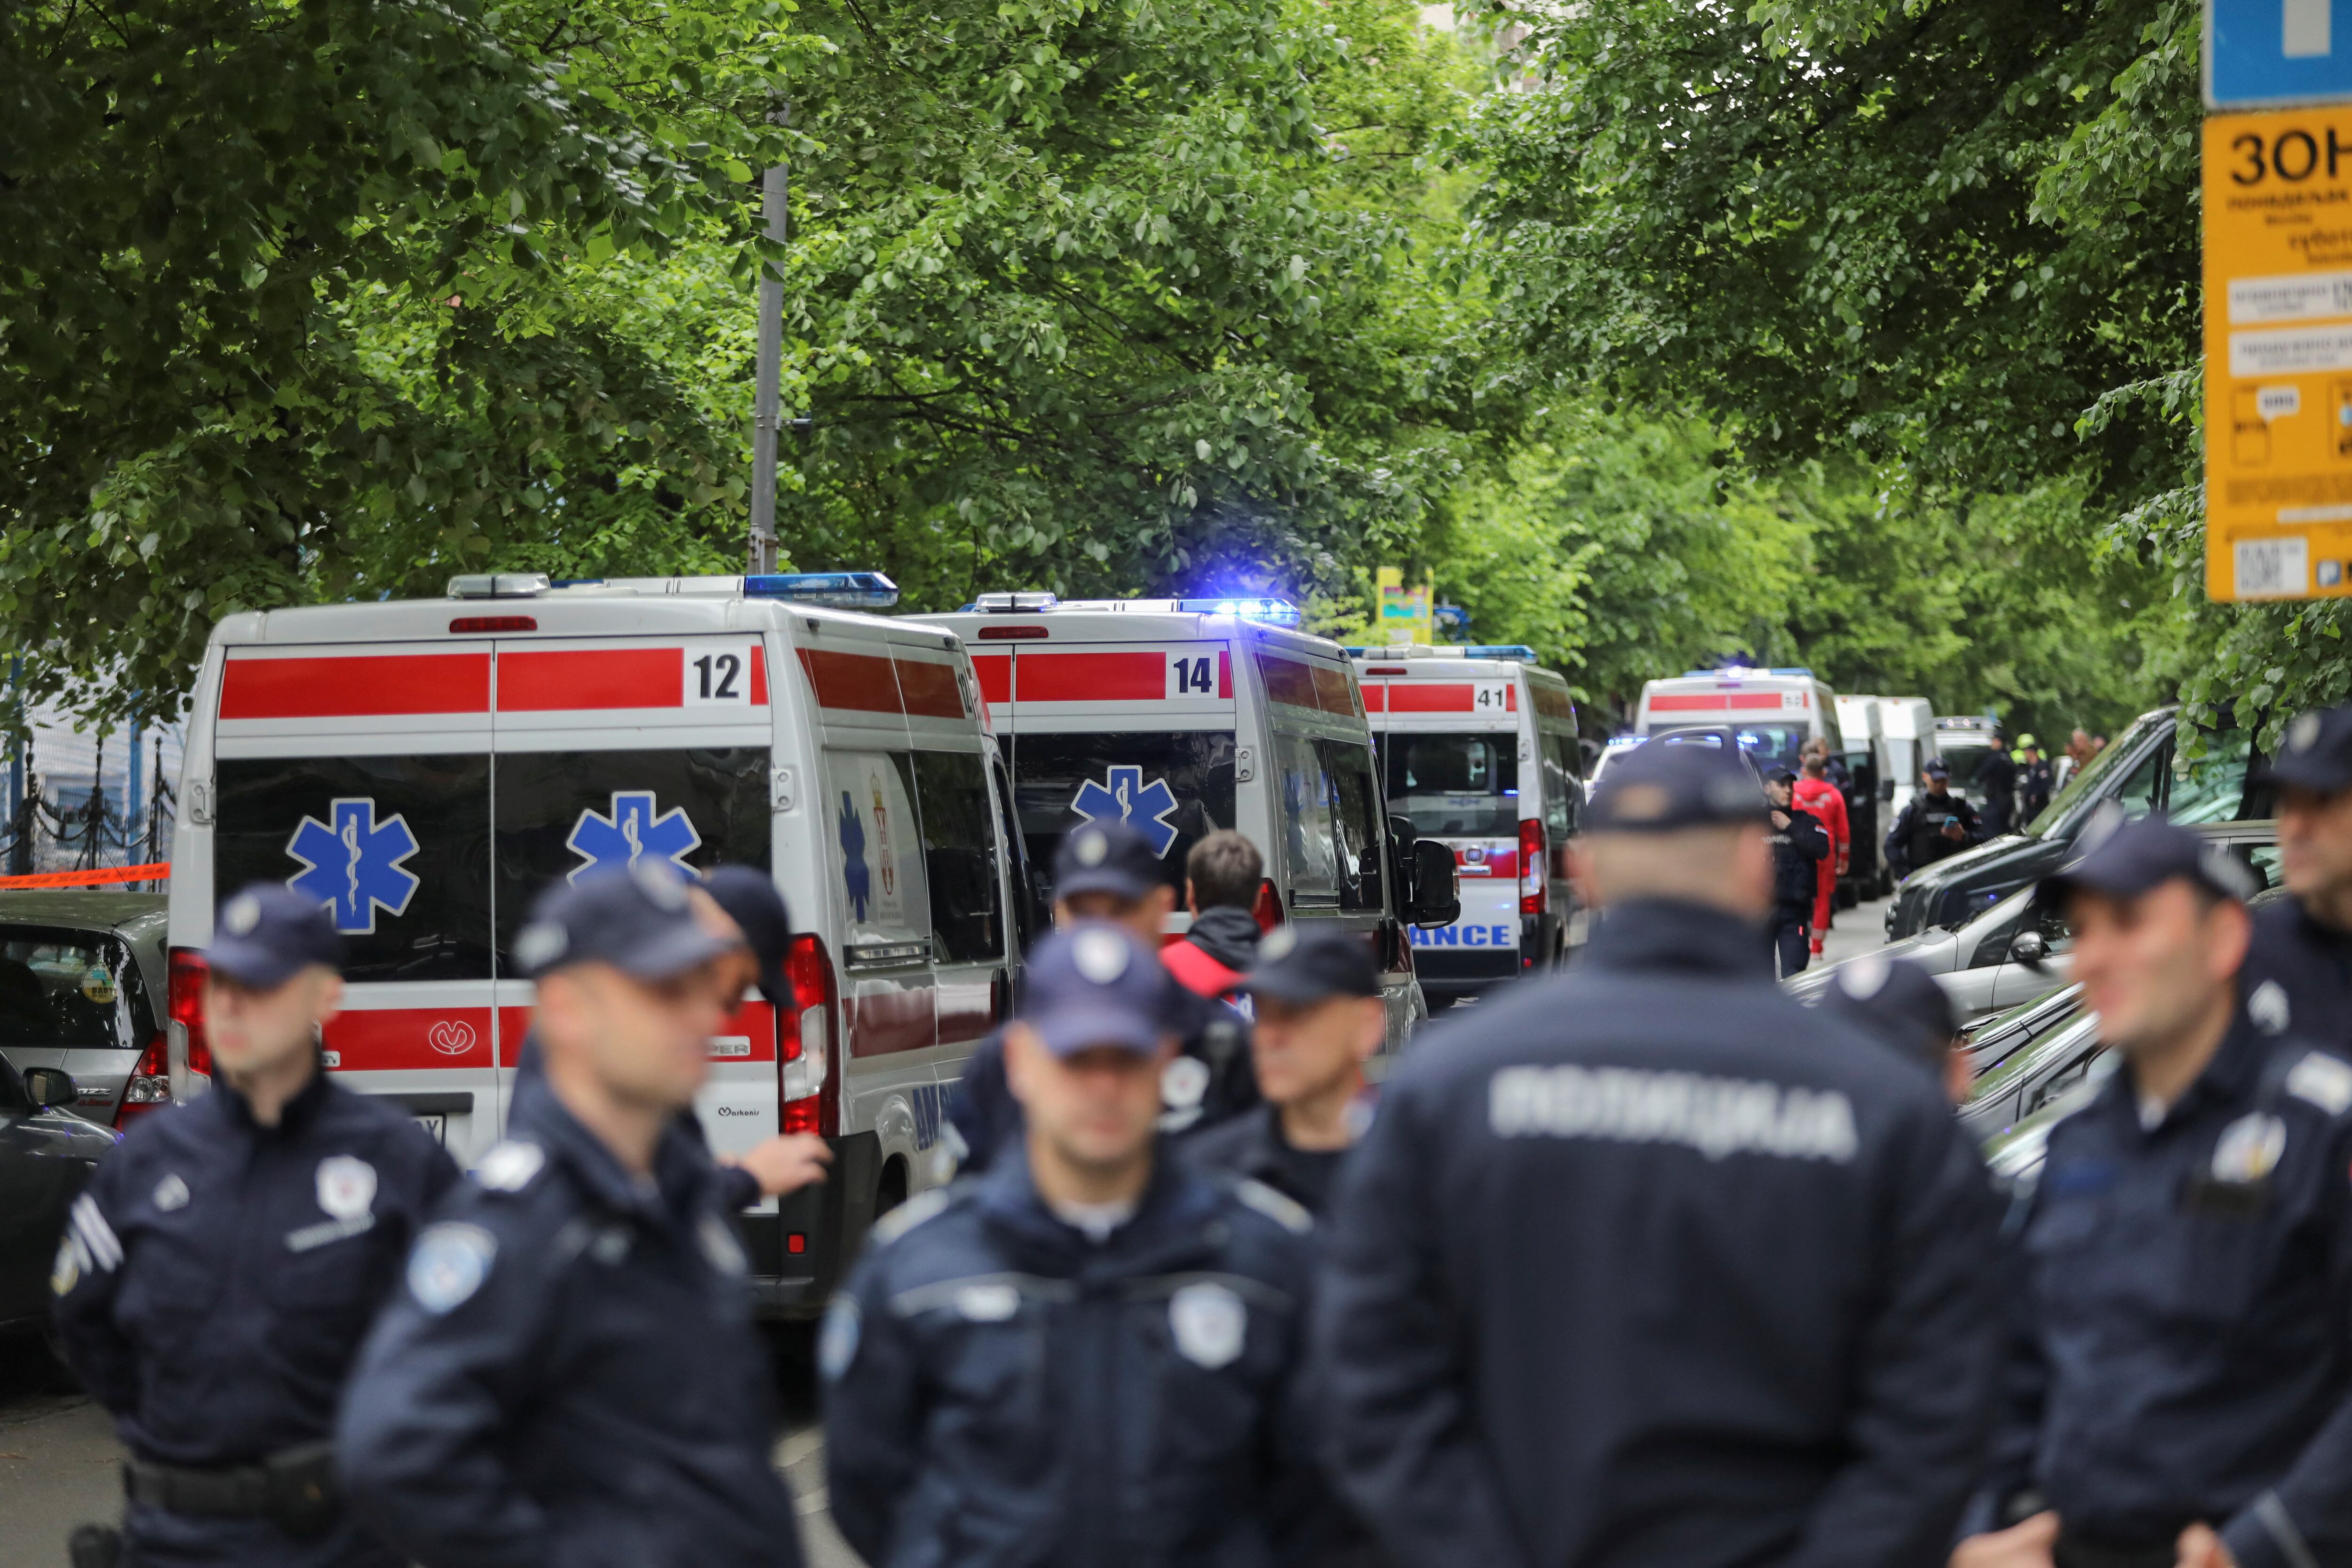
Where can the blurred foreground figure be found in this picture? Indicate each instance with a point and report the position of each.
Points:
(1898, 1004)
(2181, 1388)
(1088, 1356)
(572, 1374)
(2298, 976)
(1648, 1264)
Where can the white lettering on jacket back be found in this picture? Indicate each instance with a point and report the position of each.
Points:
(1716, 1116)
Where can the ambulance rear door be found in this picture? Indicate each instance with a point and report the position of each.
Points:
(616, 750)
(1456, 757)
(360, 773)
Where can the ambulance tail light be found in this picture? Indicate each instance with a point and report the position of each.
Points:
(1268, 911)
(186, 1007)
(150, 1085)
(1535, 867)
(808, 1091)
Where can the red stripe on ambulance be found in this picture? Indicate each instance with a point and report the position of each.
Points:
(859, 682)
(995, 672)
(1432, 697)
(1091, 678)
(930, 689)
(356, 685)
(544, 681)
(387, 1039)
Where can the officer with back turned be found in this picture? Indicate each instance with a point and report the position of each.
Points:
(2299, 972)
(1646, 1264)
(218, 1275)
(2181, 1390)
(1936, 824)
(572, 1374)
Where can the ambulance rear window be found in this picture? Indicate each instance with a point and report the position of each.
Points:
(1177, 787)
(1456, 786)
(959, 857)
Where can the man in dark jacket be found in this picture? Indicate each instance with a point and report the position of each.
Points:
(1090, 1354)
(1937, 823)
(2299, 973)
(1800, 843)
(2035, 783)
(1646, 1263)
(1221, 877)
(1996, 780)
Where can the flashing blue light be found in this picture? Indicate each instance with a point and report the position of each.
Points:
(1793, 670)
(839, 590)
(1500, 650)
(1273, 611)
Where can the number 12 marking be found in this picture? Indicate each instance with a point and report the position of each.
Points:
(716, 678)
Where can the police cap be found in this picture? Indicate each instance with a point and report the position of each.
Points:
(749, 898)
(638, 920)
(1663, 787)
(2125, 857)
(1306, 966)
(2315, 753)
(1106, 857)
(1897, 1001)
(1936, 768)
(1095, 984)
(265, 932)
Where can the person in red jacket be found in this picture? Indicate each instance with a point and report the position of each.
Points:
(1221, 881)
(1815, 794)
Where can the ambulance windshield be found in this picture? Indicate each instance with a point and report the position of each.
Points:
(1455, 787)
(1176, 787)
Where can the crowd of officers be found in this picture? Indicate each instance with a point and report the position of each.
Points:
(1640, 1263)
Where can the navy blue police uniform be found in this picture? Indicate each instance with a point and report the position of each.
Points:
(1918, 838)
(1996, 780)
(1002, 1386)
(1798, 851)
(2298, 973)
(218, 1275)
(2185, 1352)
(1898, 1004)
(572, 1373)
(1649, 1264)
(1211, 1078)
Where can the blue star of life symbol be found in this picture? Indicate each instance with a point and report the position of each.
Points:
(351, 864)
(1127, 798)
(856, 880)
(632, 832)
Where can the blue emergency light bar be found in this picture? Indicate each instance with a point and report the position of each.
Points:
(837, 590)
(1734, 671)
(1273, 611)
(1500, 650)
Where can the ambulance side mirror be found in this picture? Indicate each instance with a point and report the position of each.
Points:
(1436, 899)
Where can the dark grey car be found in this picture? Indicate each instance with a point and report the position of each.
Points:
(82, 988)
(46, 1155)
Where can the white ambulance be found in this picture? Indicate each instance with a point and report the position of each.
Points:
(1773, 712)
(426, 768)
(1181, 716)
(1478, 747)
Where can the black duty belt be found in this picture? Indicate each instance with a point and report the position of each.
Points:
(295, 1487)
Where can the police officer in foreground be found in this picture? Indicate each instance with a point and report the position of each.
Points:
(1898, 1004)
(2299, 973)
(1320, 1017)
(1106, 871)
(218, 1275)
(2181, 1392)
(1934, 825)
(1646, 1263)
(1089, 1354)
(572, 1374)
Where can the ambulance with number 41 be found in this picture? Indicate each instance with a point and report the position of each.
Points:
(426, 768)
(1478, 748)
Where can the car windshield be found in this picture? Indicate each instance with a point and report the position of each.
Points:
(2210, 787)
(69, 989)
(1455, 787)
(2088, 783)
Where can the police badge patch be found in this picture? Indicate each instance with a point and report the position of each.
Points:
(1210, 1323)
(346, 1186)
(2249, 1148)
(450, 1264)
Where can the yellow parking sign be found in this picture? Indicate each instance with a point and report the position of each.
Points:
(2278, 354)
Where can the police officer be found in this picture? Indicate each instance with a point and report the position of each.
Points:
(218, 1275)
(1897, 1003)
(1319, 1018)
(1089, 1354)
(1107, 871)
(1934, 823)
(2299, 973)
(2035, 782)
(572, 1374)
(1996, 780)
(2182, 1388)
(1800, 843)
(1646, 1263)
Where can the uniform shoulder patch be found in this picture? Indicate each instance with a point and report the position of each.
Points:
(2324, 1081)
(510, 1165)
(1285, 1212)
(915, 1211)
(448, 1264)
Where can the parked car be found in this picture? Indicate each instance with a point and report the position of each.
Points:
(46, 1155)
(82, 983)
(2015, 1155)
(2139, 771)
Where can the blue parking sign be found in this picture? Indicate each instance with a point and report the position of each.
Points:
(2261, 54)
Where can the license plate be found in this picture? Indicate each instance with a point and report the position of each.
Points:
(437, 1125)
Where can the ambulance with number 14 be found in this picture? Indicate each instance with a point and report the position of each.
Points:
(1478, 748)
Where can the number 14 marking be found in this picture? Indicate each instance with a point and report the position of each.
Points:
(1191, 677)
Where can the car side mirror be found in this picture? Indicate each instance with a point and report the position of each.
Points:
(50, 1086)
(2029, 949)
(1436, 898)
(1886, 792)
(1402, 837)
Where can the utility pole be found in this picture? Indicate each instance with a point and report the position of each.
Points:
(767, 400)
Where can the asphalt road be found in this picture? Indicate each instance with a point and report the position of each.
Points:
(58, 1457)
